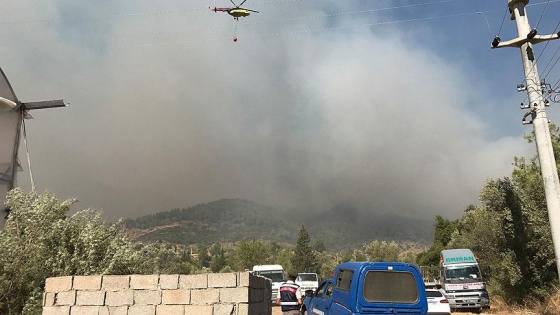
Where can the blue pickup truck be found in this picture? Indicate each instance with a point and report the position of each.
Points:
(369, 288)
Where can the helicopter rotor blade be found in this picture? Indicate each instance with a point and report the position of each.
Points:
(242, 3)
(234, 3)
(252, 11)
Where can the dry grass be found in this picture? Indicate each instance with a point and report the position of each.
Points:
(549, 307)
(499, 307)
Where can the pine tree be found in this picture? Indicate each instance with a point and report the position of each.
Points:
(304, 259)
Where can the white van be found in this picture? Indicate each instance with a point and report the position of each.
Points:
(273, 272)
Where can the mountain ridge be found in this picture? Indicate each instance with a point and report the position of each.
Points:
(233, 220)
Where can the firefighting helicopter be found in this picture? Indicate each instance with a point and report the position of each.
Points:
(236, 12)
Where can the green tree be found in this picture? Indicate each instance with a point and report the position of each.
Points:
(251, 253)
(304, 259)
(347, 256)
(511, 234)
(443, 230)
(283, 256)
(382, 251)
(218, 258)
(319, 246)
(203, 256)
(40, 241)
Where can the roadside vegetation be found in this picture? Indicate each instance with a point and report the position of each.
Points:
(508, 230)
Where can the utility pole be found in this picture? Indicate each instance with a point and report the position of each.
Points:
(536, 114)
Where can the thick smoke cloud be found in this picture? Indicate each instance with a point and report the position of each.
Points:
(178, 114)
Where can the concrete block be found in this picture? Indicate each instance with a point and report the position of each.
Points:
(142, 310)
(86, 283)
(119, 298)
(242, 309)
(234, 295)
(257, 295)
(147, 297)
(176, 297)
(243, 279)
(144, 282)
(193, 281)
(222, 280)
(224, 309)
(65, 298)
(198, 310)
(201, 297)
(113, 310)
(58, 284)
(115, 283)
(169, 282)
(49, 299)
(56, 310)
(84, 310)
(170, 310)
(90, 298)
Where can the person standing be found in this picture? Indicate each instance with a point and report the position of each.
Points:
(289, 297)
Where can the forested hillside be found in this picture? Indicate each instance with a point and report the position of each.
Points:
(231, 220)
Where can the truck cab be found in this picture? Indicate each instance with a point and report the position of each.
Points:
(273, 272)
(307, 281)
(461, 280)
(369, 288)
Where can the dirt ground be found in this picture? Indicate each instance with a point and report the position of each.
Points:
(277, 311)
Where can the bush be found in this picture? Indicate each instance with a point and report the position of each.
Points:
(39, 241)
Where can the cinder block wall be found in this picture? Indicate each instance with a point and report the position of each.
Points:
(202, 294)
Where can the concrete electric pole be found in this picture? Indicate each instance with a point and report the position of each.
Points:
(536, 114)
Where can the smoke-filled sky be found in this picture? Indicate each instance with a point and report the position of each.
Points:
(397, 106)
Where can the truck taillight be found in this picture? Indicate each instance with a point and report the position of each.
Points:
(444, 301)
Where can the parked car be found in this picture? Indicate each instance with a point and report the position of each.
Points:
(437, 302)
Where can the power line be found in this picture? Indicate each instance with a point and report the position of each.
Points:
(551, 68)
(297, 19)
(173, 11)
(503, 19)
(133, 14)
(542, 14)
(555, 29)
(304, 31)
(286, 20)
(149, 13)
(554, 65)
(542, 51)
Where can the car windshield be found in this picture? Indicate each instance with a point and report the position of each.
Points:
(307, 277)
(463, 273)
(433, 293)
(273, 275)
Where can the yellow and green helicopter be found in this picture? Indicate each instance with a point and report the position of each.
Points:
(236, 12)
